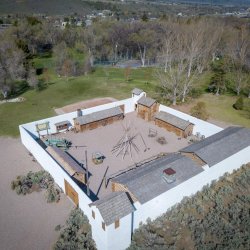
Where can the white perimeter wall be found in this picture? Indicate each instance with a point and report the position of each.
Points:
(59, 175)
(120, 238)
(163, 202)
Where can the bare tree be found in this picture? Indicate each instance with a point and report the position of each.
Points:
(32, 78)
(144, 39)
(178, 70)
(199, 49)
(166, 55)
(239, 51)
(169, 83)
(61, 54)
(11, 65)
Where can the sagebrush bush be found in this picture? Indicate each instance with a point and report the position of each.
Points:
(239, 104)
(200, 111)
(76, 234)
(217, 217)
(52, 194)
(35, 182)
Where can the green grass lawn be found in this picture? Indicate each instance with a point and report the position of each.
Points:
(104, 82)
(221, 108)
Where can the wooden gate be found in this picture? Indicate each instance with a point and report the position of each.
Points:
(70, 191)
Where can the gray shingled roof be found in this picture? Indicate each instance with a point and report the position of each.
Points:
(173, 120)
(114, 206)
(146, 101)
(220, 146)
(146, 182)
(99, 115)
(137, 91)
(62, 123)
(57, 152)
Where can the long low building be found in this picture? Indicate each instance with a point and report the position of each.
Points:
(220, 146)
(174, 124)
(97, 119)
(68, 164)
(146, 182)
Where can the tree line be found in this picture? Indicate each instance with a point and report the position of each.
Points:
(181, 49)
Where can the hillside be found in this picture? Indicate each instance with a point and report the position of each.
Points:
(83, 7)
(214, 2)
(58, 7)
(215, 218)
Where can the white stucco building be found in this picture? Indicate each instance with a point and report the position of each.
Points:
(142, 192)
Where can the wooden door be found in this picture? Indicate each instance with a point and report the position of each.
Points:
(70, 191)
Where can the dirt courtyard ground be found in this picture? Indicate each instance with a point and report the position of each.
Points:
(103, 139)
(84, 105)
(26, 222)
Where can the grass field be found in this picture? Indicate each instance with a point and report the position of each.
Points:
(220, 108)
(104, 82)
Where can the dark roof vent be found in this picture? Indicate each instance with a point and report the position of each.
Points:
(79, 112)
(169, 175)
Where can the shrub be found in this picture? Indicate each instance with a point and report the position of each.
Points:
(76, 234)
(35, 182)
(200, 111)
(195, 92)
(239, 104)
(162, 140)
(58, 228)
(52, 194)
(215, 218)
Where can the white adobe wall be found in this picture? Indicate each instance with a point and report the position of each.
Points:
(205, 128)
(99, 235)
(112, 238)
(120, 238)
(163, 202)
(50, 165)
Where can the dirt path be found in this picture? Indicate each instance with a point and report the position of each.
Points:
(84, 105)
(26, 222)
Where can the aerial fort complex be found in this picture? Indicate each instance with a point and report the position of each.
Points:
(130, 160)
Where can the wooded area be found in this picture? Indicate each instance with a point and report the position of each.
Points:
(39, 59)
(215, 218)
(179, 49)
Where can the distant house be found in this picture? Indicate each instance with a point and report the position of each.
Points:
(174, 124)
(147, 108)
(64, 24)
(88, 22)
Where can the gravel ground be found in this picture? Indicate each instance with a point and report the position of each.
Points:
(103, 139)
(26, 222)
